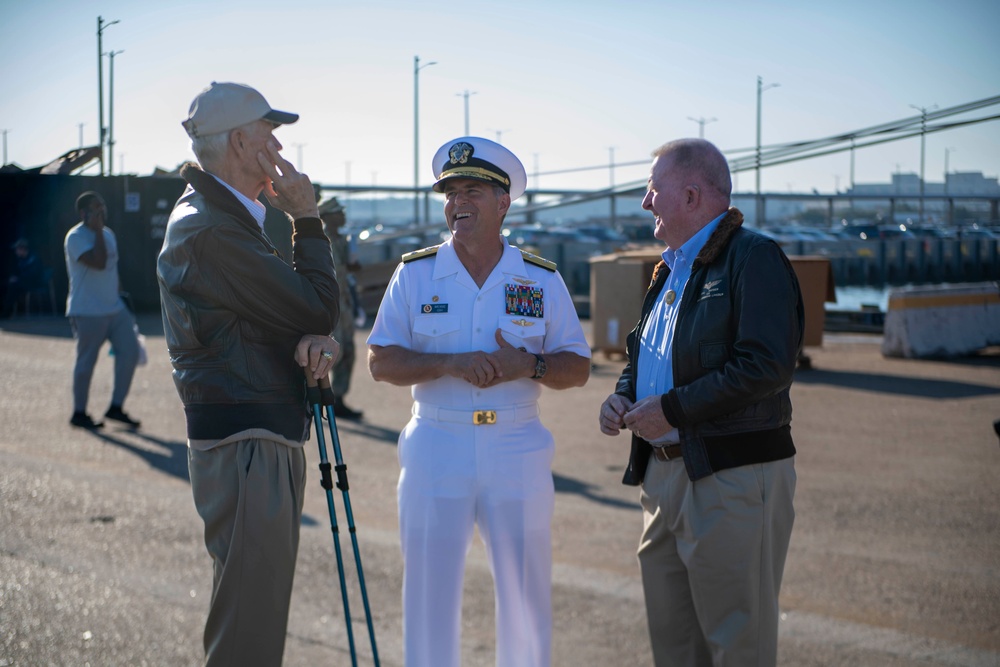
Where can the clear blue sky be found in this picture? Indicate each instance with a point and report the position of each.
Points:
(562, 81)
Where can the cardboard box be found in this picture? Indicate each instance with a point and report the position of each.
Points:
(816, 282)
(618, 284)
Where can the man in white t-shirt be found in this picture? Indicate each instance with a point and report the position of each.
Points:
(96, 311)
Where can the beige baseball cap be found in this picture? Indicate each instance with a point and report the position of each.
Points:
(226, 106)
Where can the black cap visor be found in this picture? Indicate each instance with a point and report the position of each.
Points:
(281, 117)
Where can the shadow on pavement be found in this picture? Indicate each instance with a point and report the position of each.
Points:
(570, 485)
(895, 384)
(367, 430)
(174, 462)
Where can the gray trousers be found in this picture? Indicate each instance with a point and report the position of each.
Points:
(90, 332)
(249, 494)
(712, 555)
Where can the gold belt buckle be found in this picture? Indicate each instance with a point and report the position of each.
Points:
(480, 417)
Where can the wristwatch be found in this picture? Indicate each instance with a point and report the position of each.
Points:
(540, 367)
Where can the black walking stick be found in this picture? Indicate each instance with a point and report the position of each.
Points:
(318, 395)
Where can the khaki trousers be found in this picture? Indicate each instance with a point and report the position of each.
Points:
(249, 493)
(712, 554)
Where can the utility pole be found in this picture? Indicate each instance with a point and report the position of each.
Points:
(701, 124)
(80, 126)
(760, 202)
(923, 135)
(499, 134)
(298, 149)
(111, 111)
(416, 135)
(466, 95)
(611, 175)
(947, 152)
(101, 25)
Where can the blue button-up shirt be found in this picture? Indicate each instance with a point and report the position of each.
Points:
(655, 369)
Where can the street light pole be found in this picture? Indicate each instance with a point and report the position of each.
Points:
(499, 134)
(111, 111)
(611, 176)
(4, 147)
(760, 89)
(101, 25)
(947, 152)
(466, 95)
(923, 134)
(701, 124)
(416, 135)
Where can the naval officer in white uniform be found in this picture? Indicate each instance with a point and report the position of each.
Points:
(477, 327)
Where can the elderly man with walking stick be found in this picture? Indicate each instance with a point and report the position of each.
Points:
(241, 324)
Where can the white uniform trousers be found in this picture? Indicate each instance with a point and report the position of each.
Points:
(711, 555)
(456, 476)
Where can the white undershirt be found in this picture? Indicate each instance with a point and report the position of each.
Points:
(255, 208)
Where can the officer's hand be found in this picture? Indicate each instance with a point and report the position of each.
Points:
(514, 363)
(477, 368)
(317, 353)
(288, 190)
(612, 416)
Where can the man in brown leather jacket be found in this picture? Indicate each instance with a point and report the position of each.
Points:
(706, 397)
(242, 326)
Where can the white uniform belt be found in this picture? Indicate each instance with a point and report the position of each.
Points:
(515, 413)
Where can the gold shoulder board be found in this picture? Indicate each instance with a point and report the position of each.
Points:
(546, 264)
(420, 254)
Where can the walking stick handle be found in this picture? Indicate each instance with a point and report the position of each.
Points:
(318, 388)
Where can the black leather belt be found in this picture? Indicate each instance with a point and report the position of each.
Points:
(668, 452)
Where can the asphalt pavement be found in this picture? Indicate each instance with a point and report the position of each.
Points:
(894, 560)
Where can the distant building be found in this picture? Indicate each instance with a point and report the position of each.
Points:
(969, 183)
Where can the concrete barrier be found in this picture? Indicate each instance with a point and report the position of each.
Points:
(946, 321)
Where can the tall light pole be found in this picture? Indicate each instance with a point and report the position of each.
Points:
(80, 126)
(760, 89)
(416, 135)
(101, 25)
(347, 182)
(947, 152)
(923, 135)
(466, 95)
(111, 111)
(701, 124)
(499, 134)
(611, 177)
(4, 147)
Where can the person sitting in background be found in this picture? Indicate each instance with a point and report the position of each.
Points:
(28, 276)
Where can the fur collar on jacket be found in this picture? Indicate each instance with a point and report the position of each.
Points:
(728, 226)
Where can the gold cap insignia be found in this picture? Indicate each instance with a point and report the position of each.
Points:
(461, 152)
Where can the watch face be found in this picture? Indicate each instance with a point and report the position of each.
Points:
(540, 367)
